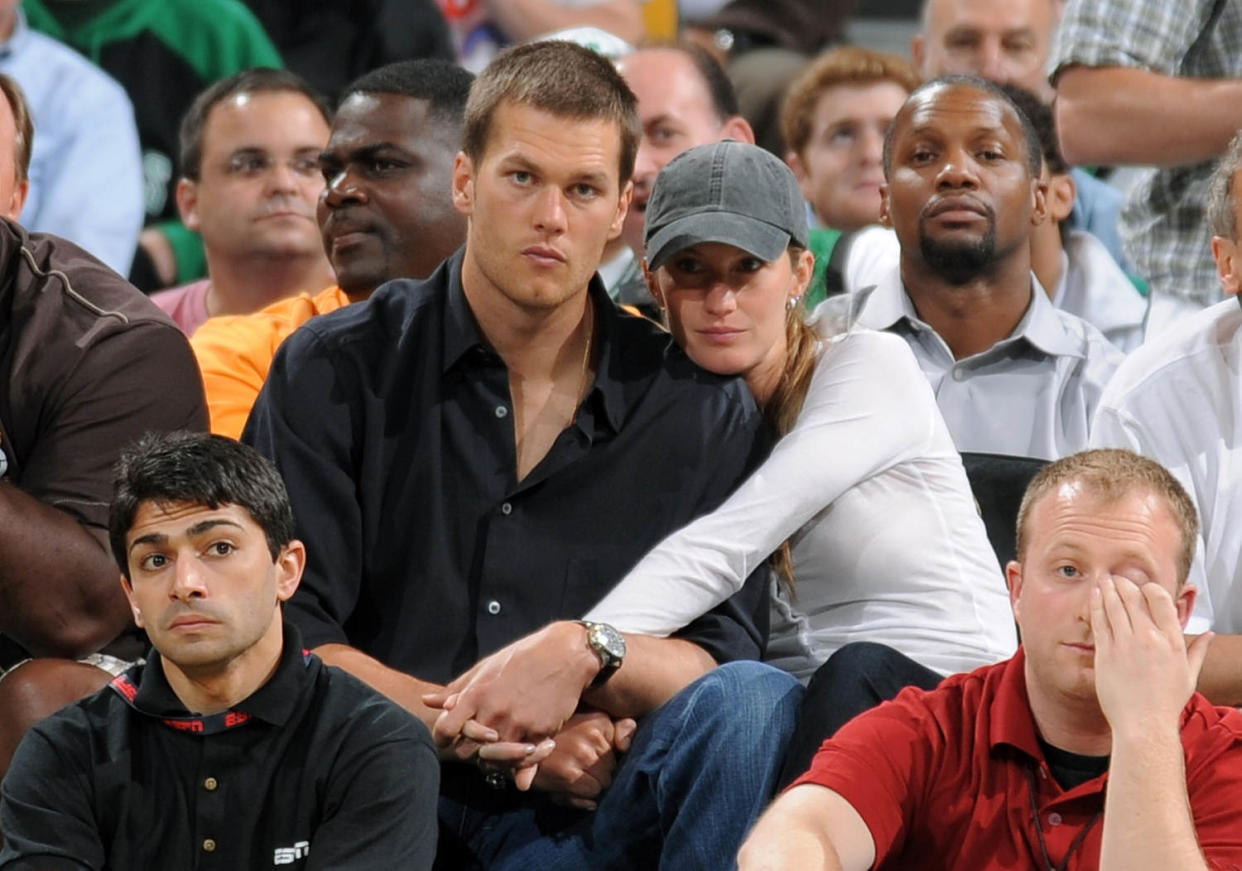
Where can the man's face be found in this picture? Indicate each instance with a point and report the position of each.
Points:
(676, 111)
(543, 201)
(259, 178)
(960, 194)
(203, 583)
(386, 210)
(12, 192)
(1074, 538)
(841, 169)
(1004, 40)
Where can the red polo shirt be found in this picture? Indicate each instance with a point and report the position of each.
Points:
(945, 779)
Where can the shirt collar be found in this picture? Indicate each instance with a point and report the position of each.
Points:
(274, 702)
(1041, 325)
(462, 335)
(18, 39)
(1009, 717)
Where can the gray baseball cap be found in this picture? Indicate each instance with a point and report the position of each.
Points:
(729, 192)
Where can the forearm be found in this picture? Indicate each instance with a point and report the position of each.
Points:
(522, 20)
(1221, 677)
(404, 689)
(1147, 818)
(59, 588)
(655, 670)
(1119, 115)
(808, 827)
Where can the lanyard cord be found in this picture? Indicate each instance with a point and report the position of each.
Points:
(1039, 831)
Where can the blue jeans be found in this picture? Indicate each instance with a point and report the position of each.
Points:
(700, 770)
(855, 679)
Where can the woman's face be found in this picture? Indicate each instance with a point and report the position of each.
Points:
(727, 308)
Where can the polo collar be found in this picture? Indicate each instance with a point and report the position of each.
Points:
(462, 336)
(1010, 720)
(146, 690)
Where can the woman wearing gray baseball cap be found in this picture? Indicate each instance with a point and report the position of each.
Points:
(863, 507)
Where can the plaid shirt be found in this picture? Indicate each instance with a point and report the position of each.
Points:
(1163, 224)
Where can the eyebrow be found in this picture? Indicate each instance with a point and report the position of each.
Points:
(360, 153)
(197, 529)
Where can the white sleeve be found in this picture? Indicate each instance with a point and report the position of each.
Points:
(868, 408)
(1114, 427)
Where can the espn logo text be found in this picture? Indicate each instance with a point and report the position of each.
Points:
(289, 855)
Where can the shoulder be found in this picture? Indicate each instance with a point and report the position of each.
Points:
(69, 78)
(1212, 737)
(1200, 348)
(365, 720)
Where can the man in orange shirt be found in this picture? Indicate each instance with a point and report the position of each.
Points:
(386, 212)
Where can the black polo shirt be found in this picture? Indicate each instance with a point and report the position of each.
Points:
(314, 770)
(390, 422)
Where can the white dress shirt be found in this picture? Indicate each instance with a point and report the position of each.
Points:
(1178, 400)
(1094, 288)
(1032, 394)
(887, 543)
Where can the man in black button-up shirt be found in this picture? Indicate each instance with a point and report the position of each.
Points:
(232, 747)
(489, 450)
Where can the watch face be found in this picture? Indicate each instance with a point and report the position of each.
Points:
(608, 639)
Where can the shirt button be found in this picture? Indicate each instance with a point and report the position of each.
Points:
(506, 509)
(209, 846)
(1054, 819)
(493, 607)
(210, 784)
(501, 411)
(958, 373)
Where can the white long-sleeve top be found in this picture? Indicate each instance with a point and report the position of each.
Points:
(888, 545)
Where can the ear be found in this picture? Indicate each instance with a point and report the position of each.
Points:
(1225, 253)
(463, 184)
(290, 563)
(623, 206)
(1013, 579)
(798, 168)
(1184, 601)
(886, 219)
(1039, 209)
(133, 605)
(737, 127)
(804, 269)
(187, 202)
(1061, 195)
(18, 200)
(917, 47)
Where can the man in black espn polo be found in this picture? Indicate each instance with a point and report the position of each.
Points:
(232, 747)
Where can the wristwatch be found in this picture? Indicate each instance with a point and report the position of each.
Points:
(609, 646)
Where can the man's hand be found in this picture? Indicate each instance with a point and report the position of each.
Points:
(524, 692)
(581, 766)
(1144, 672)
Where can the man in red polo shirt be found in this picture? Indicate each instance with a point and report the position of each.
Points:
(1089, 749)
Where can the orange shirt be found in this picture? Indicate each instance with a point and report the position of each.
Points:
(235, 351)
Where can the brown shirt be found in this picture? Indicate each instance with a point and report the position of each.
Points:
(87, 364)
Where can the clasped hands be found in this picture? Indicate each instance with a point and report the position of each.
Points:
(519, 711)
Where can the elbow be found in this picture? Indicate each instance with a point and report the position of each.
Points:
(72, 630)
(1074, 132)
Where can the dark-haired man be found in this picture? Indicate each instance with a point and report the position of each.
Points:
(1012, 374)
(249, 182)
(1089, 749)
(484, 453)
(386, 211)
(231, 747)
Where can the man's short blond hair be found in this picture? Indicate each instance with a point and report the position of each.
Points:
(848, 65)
(1111, 475)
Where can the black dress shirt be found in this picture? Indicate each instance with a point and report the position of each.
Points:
(390, 422)
(314, 770)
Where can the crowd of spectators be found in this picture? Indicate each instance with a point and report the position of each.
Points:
(529, 435)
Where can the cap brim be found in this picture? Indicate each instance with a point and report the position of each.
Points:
(759, 238)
